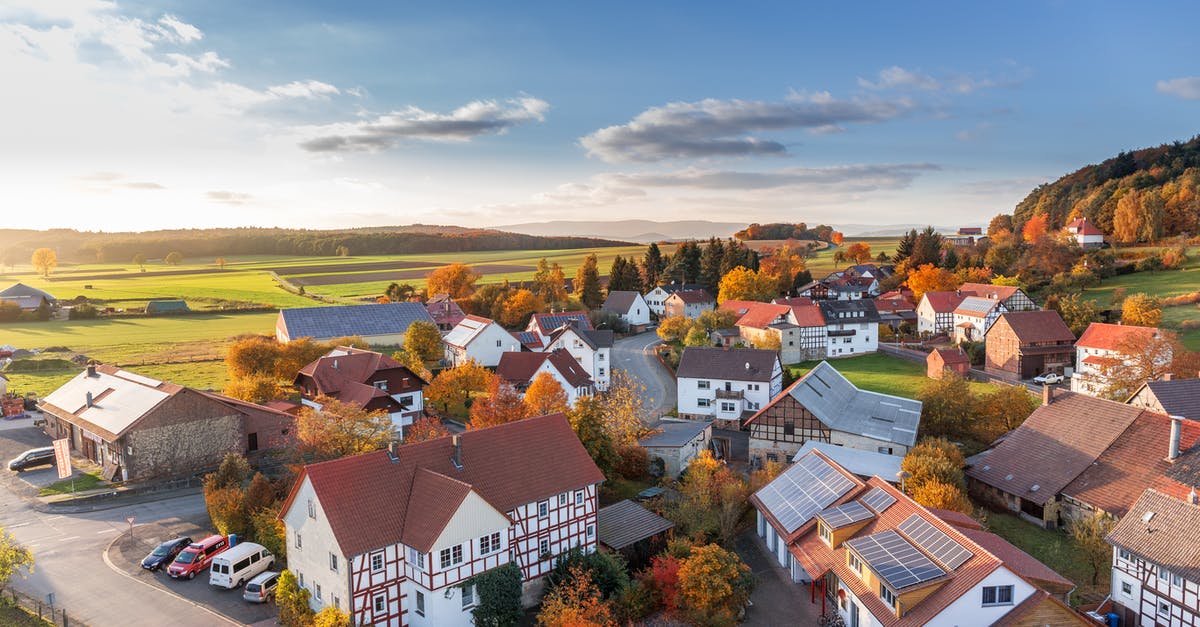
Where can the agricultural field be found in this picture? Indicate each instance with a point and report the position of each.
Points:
(1163, 284)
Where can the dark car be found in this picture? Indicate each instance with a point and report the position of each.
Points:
(164, 553)
(32, 457)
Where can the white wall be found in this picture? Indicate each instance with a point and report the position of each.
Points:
(1133, 599)
(969, 608)
(864, 340)
(639, 312)
(690, 393)
(595, 362)
(311, 559)
(485, 348)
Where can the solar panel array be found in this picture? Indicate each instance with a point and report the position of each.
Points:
(935, 543)
(879, 500)
(845, 514)
(805, 488)
(897, 561)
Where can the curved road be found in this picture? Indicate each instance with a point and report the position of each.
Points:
(635, 355)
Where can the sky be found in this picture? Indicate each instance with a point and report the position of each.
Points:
(171, 114)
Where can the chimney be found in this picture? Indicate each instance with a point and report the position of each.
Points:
(1047, 395)
(1176, 430)
(393, 450)
(456, 459)
(91, 370)
(89, 401)
(335, 364)
(1194, 498)
(1167, 377)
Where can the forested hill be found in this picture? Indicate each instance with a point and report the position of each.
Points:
(17, 245)
(1135, 196)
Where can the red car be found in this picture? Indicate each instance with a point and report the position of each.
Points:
(196, 557)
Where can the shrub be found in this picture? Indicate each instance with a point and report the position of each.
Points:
(633, 462)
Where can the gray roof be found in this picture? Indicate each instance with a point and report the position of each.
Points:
(1178, 397)
(735, 364)
(20, 289)
(859, 462)
(671, 288)
(976, 305)
(620, 301)
(843, 407)
(350, 320)
(625, 522)
(675, 434)
(1161, 529)
(600, 338)
(832, 310)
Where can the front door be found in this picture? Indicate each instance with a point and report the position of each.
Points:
(252, 442)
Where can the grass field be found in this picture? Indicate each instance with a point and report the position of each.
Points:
(1053, 548)
(1163, 283)
(882, 373)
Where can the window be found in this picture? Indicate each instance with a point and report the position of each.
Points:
(451, 556)
(702, 402)
(562, 499)
(1162, 573)
(312, 509)
(997, 595)
(381, 385)
(702, 385)
(317, 590)
(823, 531)
(468, 596)
(789, 428)
(602, 372)
(1176, 580)
(380, 603)
(336, 602)
(886, 450)
(333, 562)
(417, 558)
(579, 497)
(752, 386)
(498, 343)
(376, 562)
(591, 530)
(772, 457)
(300, 579)
(888, 597)
(544, 509)
(855, 563)
(1164, 608)
(727, 407)
(489, 544)
(299, 544)
(420, 603)
(1126, 588)
(544, 546)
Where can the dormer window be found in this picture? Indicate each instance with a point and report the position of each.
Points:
(381, 385)
(854, 562)
(824, 532)
(890, 598)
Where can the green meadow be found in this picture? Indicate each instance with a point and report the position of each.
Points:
(1162, 284)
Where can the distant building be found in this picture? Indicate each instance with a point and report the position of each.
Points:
(545, 324)
(767, 325)
(727, 385)
(446, 313)
(26, 297)
(166, 307)
(656, 299)
(1025, 344)
(376, 324)
(630, 306)
(943, 360)
(689, 304)
(970, 230)
(1086, 233)
(366, 379)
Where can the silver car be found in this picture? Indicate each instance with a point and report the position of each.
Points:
(261, 588)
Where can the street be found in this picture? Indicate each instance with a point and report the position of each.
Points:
(635, 355)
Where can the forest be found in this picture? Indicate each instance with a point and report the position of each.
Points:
(783, 230)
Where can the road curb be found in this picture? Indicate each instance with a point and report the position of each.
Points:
(108, 562)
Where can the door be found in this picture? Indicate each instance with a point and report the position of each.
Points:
(853, 614)
(252, 442)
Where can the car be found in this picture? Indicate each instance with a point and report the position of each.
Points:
(1049, 378)
(165, 553)
(196, 557)
(32, 457)
(261, 588)
(241, 562)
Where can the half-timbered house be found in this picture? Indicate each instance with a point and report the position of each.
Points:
(1156, 561)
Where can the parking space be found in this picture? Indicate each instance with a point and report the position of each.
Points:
(18, 436)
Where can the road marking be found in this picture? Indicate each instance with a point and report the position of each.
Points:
(68, 538)
(107, 531)
(20, 525)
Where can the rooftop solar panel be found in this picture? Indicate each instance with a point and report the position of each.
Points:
(879, 500)
(939, 545)
(895, 560)
(805, 488)
(845, 514)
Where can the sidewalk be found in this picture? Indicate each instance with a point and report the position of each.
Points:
(776, 600)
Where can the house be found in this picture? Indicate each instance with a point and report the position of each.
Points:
(1171, 396)
(138, 428)
(726, 384)
(881, 559)
(689, 304)
(393, 537)
(1024, 344)
(812, 334)
(1101, 348)
(630, 306)
(935, 312)
(26, 297)
(870, 270)
(973, 316)
(766, 325)
(726, 338)
(519, 370)
(529, 340)
(1156, 561)
(970, 230)
(591, 348)
(1085, 233)
(851, 287)
(365, 379)
(823, 406)
(446, 313)
(377, 324)
(545, 324)
(860, 463)
(1078, 455)
(941, 360)
(851, 327)
(481, 339)
(895, 310)
(1013, 298)
(164, 307)
(656, 299)
(677, 443)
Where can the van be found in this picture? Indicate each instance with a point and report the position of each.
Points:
(239, 564)
(196, 557)
(32, 457)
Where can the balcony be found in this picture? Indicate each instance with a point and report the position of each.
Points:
(730, 394)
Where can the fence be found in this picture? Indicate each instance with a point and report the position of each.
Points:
(40, 607)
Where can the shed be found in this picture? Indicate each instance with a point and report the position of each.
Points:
(678, 443)
(167, 306)
(633, 531)
(942, 359)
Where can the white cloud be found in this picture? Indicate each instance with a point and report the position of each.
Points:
(310, 89)
(179, 30)
(897, 76)
(1187, 88)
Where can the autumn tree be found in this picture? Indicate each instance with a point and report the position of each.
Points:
(674, 328)
(715, 319)
(587, 283)
(712, 499)
(502, 405)
(424, 340)
(784, 265)
(578, 604)
(44, 260)
(331, 616)
(933, 460)
(1090, 534)
(714, 586)
(624, 406)
(254, 388)
(223, 495)
(220, 263)
(1141, 310)
(1076, 311)
(587, 420)
(422, 429)
(340, 429)
(743, 284)
(400, 292)
(456, 279)
(1146, 356)
(550, 282)
(1036, 228)
(945, 406)
(173, 258)
(1001, 223)
(1001, 411)
(140, 260)
(453, 388)
(545, 396)
(930, 278)
(292, 601)
(940, 495)
(252, 356)
(860, 252)
(518, 307)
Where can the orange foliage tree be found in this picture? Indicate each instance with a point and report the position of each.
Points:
(518, 307)
(453, 387)
(930, 278)
(1037, 227)
(577, 603)
(422, 429)
(502, 405)
(456, 279)
(545, 396)
(860, 252)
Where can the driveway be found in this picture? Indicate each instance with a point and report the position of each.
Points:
(776, 600)
(635, 356)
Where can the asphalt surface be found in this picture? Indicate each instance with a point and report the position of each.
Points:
(775, 600)
(635, 355)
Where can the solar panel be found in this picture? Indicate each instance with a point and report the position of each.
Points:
(879, 500)
(805, 488)
(845, 514)
(935, 543)
(895, 560)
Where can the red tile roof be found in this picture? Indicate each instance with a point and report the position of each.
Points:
(958, 519)
(893, 304)
(952, 355)
(371, 501)
(520, 368)
(987, 290)
(795, 301)
(1112, 337)
(1038, 326)
(332, 373)
(757, 315)
(808, 315)
(1083, 226)
(693, 297)
(943, 302)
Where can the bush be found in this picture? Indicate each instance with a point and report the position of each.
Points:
(1189, 325)
(633, 463)
(9, 311)
(83, 312)
(606, 569)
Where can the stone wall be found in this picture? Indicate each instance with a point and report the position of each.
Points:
(181, 449)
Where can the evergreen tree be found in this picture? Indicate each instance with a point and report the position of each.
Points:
(904, 247)
(710, 264)
(617, 275)
(685, 264)
(652, 266)
(587, 283)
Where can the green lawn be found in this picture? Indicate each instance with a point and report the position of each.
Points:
(1055, 549)
(882, 373)
(82, 482)
(202, 375)
(1163, 283)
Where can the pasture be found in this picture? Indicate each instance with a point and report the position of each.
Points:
(1162, 284)
(882, 373)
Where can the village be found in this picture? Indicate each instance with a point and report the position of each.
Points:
(691, 439)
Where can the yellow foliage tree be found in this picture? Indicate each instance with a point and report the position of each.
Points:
(424, 340)
(452, 388)
(456, 279)
(743, 284)
(44, 260)
(331, 616)
(674, 328)
(577, 603)
(339, 429)
(930, 278)
(934, 493)
(254, 388)
(518, 307)
(1141, 310)
(714, 585)
(624, 408)
(545, 396)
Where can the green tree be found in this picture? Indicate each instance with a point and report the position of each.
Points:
(1090, 534)
(652, 266)
(423, 340)
(696, 336)
(499, 596)
(173, 258)
(587, 283)
(400, 292)
(292, 601)
(607, 570)
(1076, 311)
(587, 419)
(710, 264)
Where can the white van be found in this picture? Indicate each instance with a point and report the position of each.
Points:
(233, 567)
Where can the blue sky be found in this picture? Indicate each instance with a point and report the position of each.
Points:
(171, 114)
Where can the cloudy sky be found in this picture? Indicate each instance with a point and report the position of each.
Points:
(147, 115)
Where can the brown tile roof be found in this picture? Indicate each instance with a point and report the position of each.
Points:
(1168, 538)
(332, 373)
(987, 290)
(808, 316)
(528, 339)
(795, 301)
(1112, 337)
(518, 368)
(693, 297)
(1038, 326)
(371, 501)
(1053, 446)
(1018, 561)
(952, 355)
(1134, 462)
(943, 302)
(1063, 614)
(735, 364)
(894, 304)
(958, 519)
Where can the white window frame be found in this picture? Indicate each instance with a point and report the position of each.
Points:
(825, 533)
(591, 530)
(299, 541)
(562, 499)
(377, 562)
(450, 557)
(543, 547)
(543, 509)
(1164, 608)
(887, 595)
(703, 384)
(579, 497)
(855, 563)
(468, 596)
(312, 509)
(317, 590)
(997, 597)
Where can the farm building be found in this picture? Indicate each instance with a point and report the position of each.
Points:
(1171, 396)
(633, 531)
(378, 324)
(941, 360)
(1024, 344)
(677, 443)
(26, 297)
(1104, 348)
(166, 307)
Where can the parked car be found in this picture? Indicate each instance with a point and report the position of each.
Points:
(261, 588)
(196, 557)
(165, 553)
(240, 563)
(1049, 378)
(32, 457)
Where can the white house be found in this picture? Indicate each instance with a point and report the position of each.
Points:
(656, 298)
(1101, 349)
(592, 348)
(689, 304)
(973, 316)
(1086, 234)
(545, 324)
(935, 312)
(726, 384)
(630, 306)
(457, 506)
(520, 369)
(480, 339)
(1155, 567)
(851, 327)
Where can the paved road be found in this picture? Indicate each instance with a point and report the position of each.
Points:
(635, 355)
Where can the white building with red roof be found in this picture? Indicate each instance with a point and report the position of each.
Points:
(520, 369)
(974, 315)
(478, 338)
(545, 324)
(935, 312)
(393, 537)
(1086, 233)
(1101, 349)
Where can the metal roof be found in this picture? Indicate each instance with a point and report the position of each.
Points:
(675, 434)
(352, 320)
(860, 462)
(840, 405)
(624, 523)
